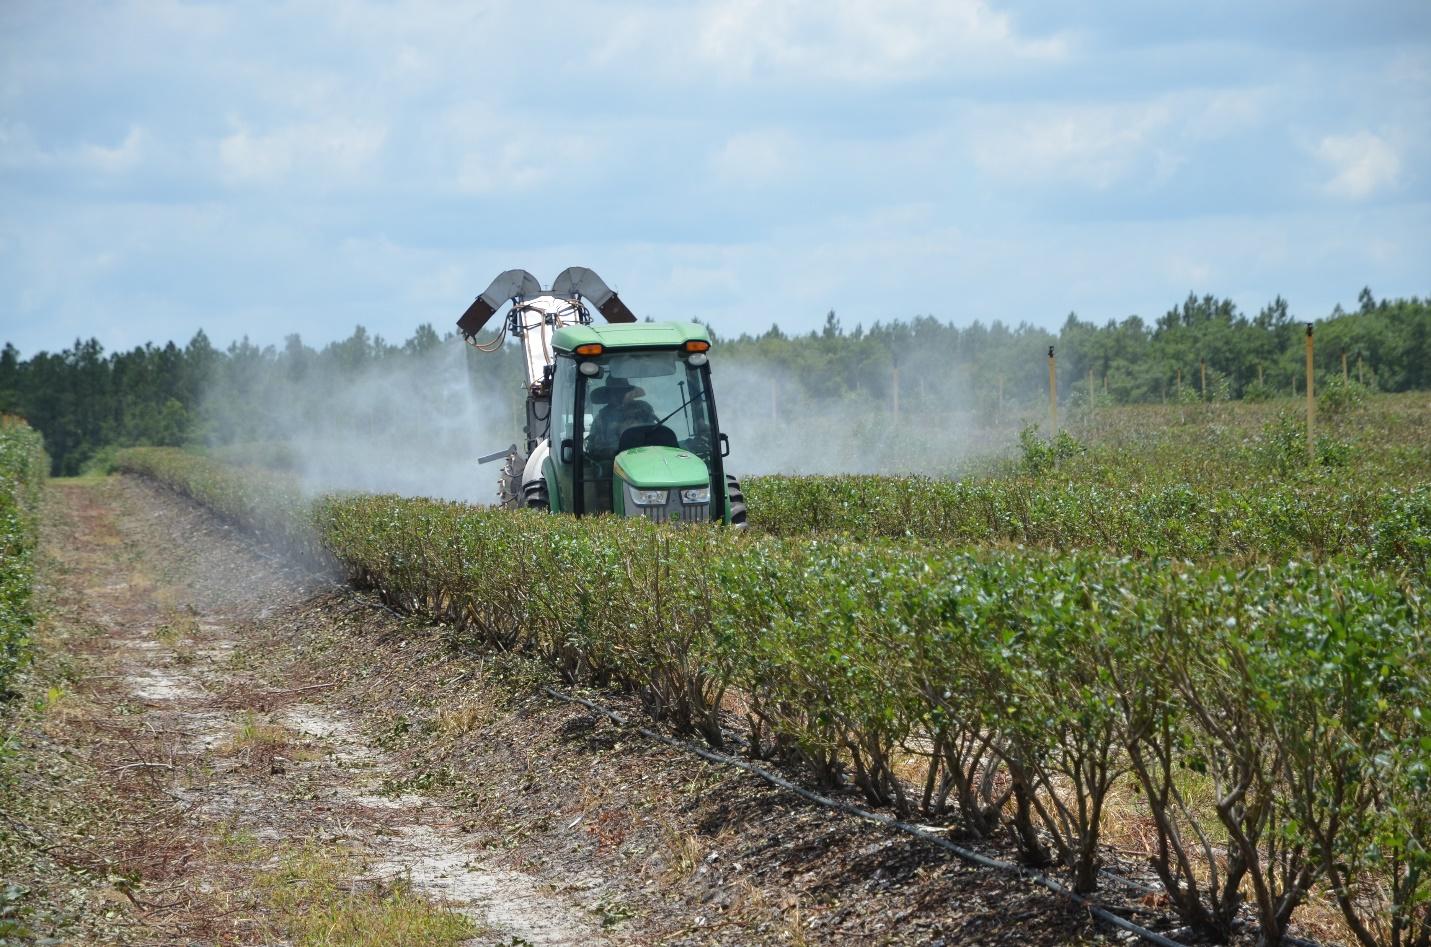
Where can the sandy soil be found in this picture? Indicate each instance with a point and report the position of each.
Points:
(242, 750)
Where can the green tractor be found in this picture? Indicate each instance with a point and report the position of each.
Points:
(620, 418)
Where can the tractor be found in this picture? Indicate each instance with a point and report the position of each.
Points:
(620, 418)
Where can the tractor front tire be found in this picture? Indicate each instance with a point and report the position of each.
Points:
(534, 496)
(735, 497)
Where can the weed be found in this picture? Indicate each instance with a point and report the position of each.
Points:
(252, 735)
(319, 903)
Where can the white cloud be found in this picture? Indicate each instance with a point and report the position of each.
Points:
(483, 151)
(501, 167)
(1362, 164)
(114, 160)
(849, 40)
(1093, 145)
(334, 151)
(18, 149)
(754, 157)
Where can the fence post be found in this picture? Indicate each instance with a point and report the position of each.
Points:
(1202, 366)
(1311, 401)
(1052, 395)
(1346, 377)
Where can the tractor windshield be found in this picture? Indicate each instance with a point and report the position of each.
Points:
(640, 399)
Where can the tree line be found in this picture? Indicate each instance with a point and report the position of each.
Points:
(85, 400)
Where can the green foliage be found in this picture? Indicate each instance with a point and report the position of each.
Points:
(1257, 391)
(1388, 526)
(1281, 447)
(1026, 684)
(1039, 456)
(1337, 396)
(22, 472)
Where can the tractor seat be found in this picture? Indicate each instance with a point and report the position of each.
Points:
(647, 435)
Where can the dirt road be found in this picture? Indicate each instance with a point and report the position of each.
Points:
(256, 752)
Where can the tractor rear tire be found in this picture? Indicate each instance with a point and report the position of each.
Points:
(736, 498)
(534, 496)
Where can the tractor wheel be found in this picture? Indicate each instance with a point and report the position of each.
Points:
(534, 496)
(736, 499)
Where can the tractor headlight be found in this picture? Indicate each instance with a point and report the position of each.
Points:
(696, 495)
(649, 497)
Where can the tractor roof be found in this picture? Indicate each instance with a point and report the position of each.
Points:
(638, 335)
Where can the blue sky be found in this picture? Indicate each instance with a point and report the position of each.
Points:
(267, 168)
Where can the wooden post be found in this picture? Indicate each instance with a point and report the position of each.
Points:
(1001, 394)
(1311, 402)
(1259, 373)
(1202, 365)
(1090, 389)
(1179, 390)
(1360, 380)
(1345, 376)
(1105, 383)
(1052, 395)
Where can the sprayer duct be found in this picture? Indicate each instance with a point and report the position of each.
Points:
(508, 285)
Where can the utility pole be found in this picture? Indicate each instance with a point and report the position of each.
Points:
(1311, 402)
(1052, 395)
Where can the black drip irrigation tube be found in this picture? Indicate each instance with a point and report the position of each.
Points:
(924, 835)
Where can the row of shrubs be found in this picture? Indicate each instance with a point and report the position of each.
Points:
(1270, 721)
(22, 472)
(1386, 525)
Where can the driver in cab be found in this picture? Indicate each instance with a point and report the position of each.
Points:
(621, 409)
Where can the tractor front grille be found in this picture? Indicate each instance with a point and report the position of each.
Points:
(673, 512)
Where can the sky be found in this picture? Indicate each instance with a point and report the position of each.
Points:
(270, 168)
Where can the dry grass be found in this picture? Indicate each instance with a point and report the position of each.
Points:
(252, 735)
(317, 901)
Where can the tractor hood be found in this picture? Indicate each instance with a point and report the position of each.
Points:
(652, 468)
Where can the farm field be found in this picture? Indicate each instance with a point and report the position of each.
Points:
(1159, 658)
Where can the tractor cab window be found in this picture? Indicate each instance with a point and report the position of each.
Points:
(647, 399)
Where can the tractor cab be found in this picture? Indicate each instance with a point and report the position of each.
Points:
(633, 428)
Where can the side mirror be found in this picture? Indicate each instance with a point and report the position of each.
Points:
(568, 451)
(724, 446)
